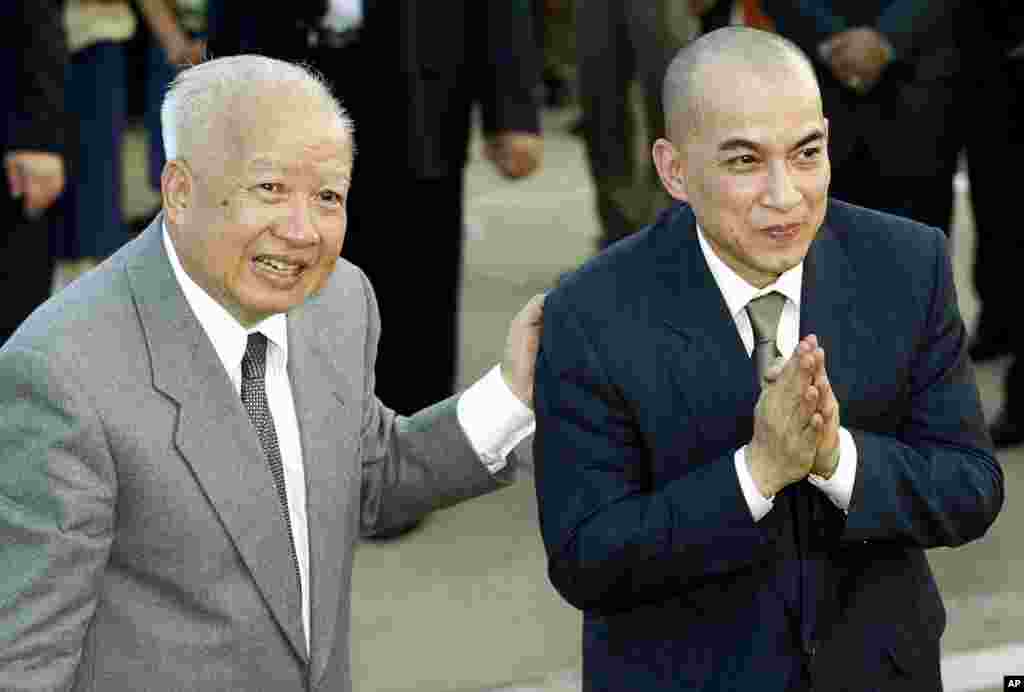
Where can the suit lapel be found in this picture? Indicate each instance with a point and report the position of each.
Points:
(828, 309)
(330, 461)
(716, 364)
(214, 435)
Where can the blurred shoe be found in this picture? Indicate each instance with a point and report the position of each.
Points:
(989, 343)
(395, 532)
(556, 91)
(1006, 431)
(576, 128)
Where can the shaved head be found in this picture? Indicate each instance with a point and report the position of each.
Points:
(719, 60)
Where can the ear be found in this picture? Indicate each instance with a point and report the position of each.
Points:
(177, 187)
(671, 168)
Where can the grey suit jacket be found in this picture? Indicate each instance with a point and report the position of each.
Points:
(142, 544)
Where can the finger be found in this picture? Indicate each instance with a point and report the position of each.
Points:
(14, 178)
(774, 369)
(35, 194)
(807, 405)
(533, 312)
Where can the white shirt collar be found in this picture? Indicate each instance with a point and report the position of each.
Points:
(224, 331)
(735, 289)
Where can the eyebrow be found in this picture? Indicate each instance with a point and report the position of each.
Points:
(740, 143)
(262, 165)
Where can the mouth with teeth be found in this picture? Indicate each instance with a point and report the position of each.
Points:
(278, 266)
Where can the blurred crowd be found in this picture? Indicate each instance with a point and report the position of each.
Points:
(914, 90)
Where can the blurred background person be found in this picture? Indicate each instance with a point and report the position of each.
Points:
(990, 108)
(619, 42)
(887, 70)
(32, 84)
(93, 225)
(555, 33)
(410, 74)
(174, 39)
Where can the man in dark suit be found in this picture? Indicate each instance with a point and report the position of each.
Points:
(887, 71)
(410, 73)
(718, 534)
(32, 142)
(190, 437)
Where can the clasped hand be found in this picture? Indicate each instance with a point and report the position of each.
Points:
(857, 57)
(796, 421)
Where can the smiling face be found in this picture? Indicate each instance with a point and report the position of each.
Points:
(753, 164)
(259, 219)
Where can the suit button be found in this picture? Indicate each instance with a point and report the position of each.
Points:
(810, 649)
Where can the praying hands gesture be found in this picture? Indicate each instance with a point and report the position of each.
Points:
(796, 422)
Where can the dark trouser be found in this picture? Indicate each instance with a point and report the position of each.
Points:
(28, 269)
(618, 42)
(999, 94)
(871, 169)
(407, 236)
(405, 233)
(97, 102)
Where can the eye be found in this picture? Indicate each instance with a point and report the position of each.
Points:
(742, 162)
(810, 153)
(330, 197)
(272, 188)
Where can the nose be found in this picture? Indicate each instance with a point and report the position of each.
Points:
(781, 192)
(297, 227)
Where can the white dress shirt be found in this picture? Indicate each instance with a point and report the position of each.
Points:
(737, 294)
(493, 418)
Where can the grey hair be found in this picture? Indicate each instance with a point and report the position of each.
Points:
(199, 94)
(743, 46)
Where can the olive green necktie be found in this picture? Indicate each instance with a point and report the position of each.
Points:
(764, 313)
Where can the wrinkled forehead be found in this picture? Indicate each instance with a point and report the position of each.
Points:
(286, 135)
(731, 98)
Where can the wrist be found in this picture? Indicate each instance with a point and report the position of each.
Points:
(764, 481)
(829, 462)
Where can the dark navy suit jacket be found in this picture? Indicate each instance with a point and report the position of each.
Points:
(644, 392)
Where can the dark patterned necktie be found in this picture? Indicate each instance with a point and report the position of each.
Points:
(764, 315)
(254, 398)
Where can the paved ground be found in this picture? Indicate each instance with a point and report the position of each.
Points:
(463, 604)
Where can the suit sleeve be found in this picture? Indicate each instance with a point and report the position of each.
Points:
(613, 541)
(57, 498)
(414, 465)
(34, 83)
(806, 22)
(910, 24)
(937, 482)
(507, 65)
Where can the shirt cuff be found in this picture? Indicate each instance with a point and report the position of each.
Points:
(759, 504)
(343, 15)
(494, 419)
(839, 488)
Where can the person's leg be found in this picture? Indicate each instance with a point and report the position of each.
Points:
(1001, 240)
(27, 274)
(415, 268)
(97, 99)
(993, 193)
(658, 30)
(605, 70)
(874, 171)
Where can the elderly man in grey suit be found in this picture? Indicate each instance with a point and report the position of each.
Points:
(190, 444)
